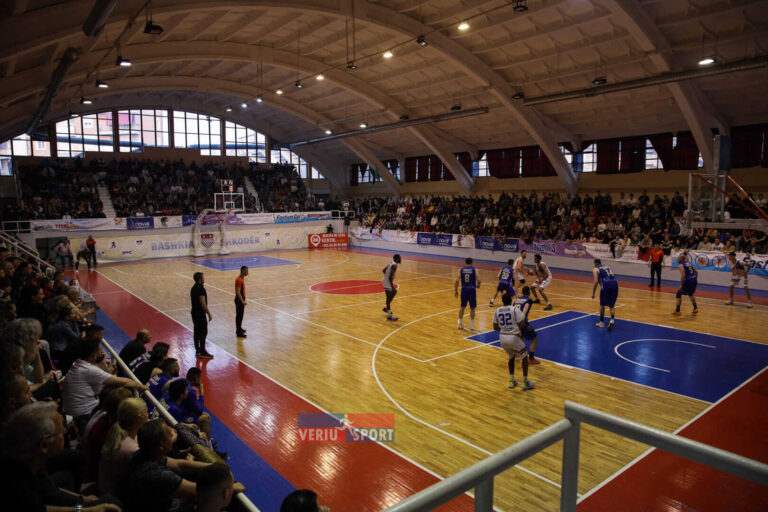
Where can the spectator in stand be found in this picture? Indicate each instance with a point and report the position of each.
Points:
(302, 500)
(215, 488)
(136, 347)
(15, 393)
(30, 304)
(149, 367)
(170, 370)
(63, 335)
(176, 400)
(152, 481)
(96, 430)
(120, 444)
(26, 332)
(11, 359)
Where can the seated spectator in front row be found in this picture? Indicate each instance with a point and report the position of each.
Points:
(86, 380)
(158, 384)
(145, 367)
(176, 401)
(120, 444)
(154, 482)
(137, 347)
(35, 434)
(215, 487)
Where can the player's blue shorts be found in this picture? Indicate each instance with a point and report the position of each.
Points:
(469, 295)
(529, 333)
(503, 287)
(689, 287)
(608, 296)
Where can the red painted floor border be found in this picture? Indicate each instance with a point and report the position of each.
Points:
(662, 481)
(347, 476)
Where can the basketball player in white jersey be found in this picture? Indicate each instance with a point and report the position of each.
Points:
(508, 320)
(543, 278)
(520, 270)
(389, 285)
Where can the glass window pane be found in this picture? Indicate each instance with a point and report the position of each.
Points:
(41, 148)
(6, 168)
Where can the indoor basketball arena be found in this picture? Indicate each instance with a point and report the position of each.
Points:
(384, 255)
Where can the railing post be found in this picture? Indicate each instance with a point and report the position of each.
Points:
(484, 496)
(570, 472)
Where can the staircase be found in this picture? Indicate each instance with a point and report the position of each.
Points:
(250, 189)
(109, 209)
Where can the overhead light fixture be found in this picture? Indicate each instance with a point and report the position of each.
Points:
(328, 132)
(520, 6)
(463, 25)
(363, 125)
(298, 84)
(244, 105)
(86, 101)
(387, 54)
(708, 60)
(456, 106)
(125, 63)
(421, 41)
(599, 80)
(351, 65)
(229, 109)
(518, 96)
(320, 77)
(151, 28)
(101, 84)
(259, 98)
(279, 92)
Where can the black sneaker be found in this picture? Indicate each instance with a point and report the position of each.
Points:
(205, 355)
(241, 334)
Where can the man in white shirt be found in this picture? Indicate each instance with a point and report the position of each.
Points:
(85, 381)
(508, 320)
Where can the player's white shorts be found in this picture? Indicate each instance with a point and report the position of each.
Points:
(543, 284)
(735, 280)
(519, 276)
(513, 344)
(386, 285)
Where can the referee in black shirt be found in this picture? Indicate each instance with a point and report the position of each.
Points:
(199, 299)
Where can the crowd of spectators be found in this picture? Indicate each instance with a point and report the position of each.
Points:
(281, 189)
(598, 218)
(58, 189)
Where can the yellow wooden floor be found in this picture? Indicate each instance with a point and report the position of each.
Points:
(452, 405)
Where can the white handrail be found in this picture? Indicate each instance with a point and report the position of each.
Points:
(33, 253)
(244, 500)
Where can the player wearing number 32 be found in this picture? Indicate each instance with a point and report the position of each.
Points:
(470, 281)
(509, 320)
(609, 291)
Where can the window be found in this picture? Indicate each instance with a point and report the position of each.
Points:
(97, 132)
(242, 141)
(590, 158)
(21, 146)
(367, 175)
(480, 167)
(316, 174)
(286, 156)
(191, 130)
(69, 138)
(652, 160)
(139, 128)
(154, 128)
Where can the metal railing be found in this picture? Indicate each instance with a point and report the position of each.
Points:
(241, 497)
(17, 226)
(17, 246)
(480, 476)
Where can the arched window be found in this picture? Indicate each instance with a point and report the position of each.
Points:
(286, 156)
(242, 141)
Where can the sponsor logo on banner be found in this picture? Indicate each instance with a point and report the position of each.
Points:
(251, 218)
(188, 220)
(426, 239)
(349, 428)
(282, 218)
(207, 240)
(78, 224)
(486, 242)
(445, 240)
(169, 221)
(510, 245)
(328, 240)
(140, 222)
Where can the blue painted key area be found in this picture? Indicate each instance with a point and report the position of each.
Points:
(688, 363)
(256, 261)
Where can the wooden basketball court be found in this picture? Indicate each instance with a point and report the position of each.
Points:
(315, 326)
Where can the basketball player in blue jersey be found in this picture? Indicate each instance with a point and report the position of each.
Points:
(470, 281)
(609, 291)
(524, 304)
(739, 271)
(508, 320)
(506, 278)
(388, 282)
(688, 281)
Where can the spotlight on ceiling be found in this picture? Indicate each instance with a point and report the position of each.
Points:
(328, 132)
(421, 41)
(320, 77)
(101, 84)
(520, 6)
(456, 107)
(463, 25)
(363, 125)
(599, 80)
(387, 54)
(120, 61)
(86, 101)
(229, 109)
(244, 105)
(351, 65)
(518, 96)
(259, 98)
(708, 60)
(279, 92)
(298, 84)
(151, 28)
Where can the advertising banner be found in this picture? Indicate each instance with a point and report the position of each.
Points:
(170, 221)
(426, 239)
(251, 218)
(712, 260)
(444, 240)
(328, 241)
(282, 218)
(78, 224)
(140, 222)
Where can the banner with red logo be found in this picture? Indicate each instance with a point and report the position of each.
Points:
(328, 241)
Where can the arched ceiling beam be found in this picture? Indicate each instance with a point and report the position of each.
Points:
(365, 12)
(699, 113)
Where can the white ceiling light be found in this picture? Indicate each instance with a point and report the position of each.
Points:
(363, 125)
(328, 132)
(387, 54)
(463, 25)
(229, 109)
(320, 77)
(244, 105)
(279, 92)
(708, 60)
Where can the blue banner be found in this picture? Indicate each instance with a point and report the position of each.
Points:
(426, 239)
(487, 242)
(444, 240)
(140, 223)
(188, 220)
(511, 245)
(758, 264)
